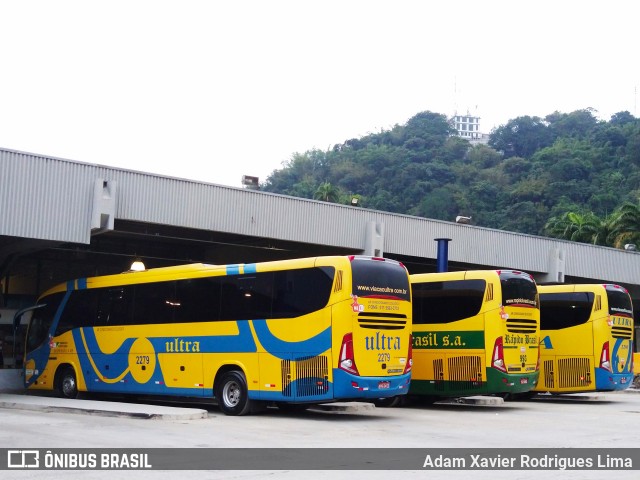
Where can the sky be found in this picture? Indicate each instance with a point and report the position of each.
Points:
(213, 90)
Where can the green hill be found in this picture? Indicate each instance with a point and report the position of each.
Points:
(532, 173)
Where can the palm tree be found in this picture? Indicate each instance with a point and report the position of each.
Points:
(626, 228)
(580, 227)
(327, 193)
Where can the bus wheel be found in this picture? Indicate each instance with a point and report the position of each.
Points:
(232, 394)
(68, 385)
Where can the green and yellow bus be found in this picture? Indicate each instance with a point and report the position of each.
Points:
(474, 332)
(587, 334)
(287, 332)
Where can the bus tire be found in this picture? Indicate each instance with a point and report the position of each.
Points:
(68, 383)
(232, 394)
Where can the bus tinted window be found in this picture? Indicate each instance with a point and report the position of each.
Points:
(246, 296)
(299, 292)
(518, 289)
(381, 278)
(444, 302)
(42, 320)
(79, 311)
(619, 302)
(563, 310)
(115, 306)
(198, 300)
(154, 302)
(279, 294)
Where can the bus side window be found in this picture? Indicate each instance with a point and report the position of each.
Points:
(245, 297)
(79, 311)
(258, 296)
(114, 306)
(154, 303)
(197, 300)
(236, 299)
(299, 292)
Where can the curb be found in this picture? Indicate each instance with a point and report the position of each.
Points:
(347, 407)
(93, 407)
(474, 400)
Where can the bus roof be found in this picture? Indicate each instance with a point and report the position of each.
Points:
(194, 270)
(461, 275)
(579, 287)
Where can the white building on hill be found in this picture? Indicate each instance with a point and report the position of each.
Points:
(468, 127)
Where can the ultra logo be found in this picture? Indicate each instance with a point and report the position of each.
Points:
(179, 346)
(381, 342)
(622, 321)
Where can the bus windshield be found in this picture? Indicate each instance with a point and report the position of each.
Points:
(619, 302)
(565, 309)
(380, 279)
(518, 289)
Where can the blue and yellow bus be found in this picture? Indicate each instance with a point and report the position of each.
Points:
(587, 335)
(474, 332)
(288, 332)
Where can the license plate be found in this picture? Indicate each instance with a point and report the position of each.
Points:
(623, 380)
(383, 385)
(524, 381)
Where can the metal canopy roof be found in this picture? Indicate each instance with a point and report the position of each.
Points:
(62, 219)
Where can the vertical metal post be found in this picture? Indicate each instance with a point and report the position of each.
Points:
(443, 254)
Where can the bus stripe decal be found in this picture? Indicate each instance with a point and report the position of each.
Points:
(233, 269)
(118, 355)
(313, 346)
(616, 365)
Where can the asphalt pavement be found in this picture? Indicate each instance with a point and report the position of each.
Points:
(152, 410)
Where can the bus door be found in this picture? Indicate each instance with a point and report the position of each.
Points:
(37, 344)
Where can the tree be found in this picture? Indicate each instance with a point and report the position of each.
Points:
(483, 156)
(579, 227)
(432, 128)
(440, 203)
(575, 124)
(626, 227)
(622, 118)
(540, 172)
(521, 137)
(327, 193)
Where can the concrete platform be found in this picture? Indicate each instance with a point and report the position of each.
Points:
(346, 407)
(95, 407)
(473, 400)
(49, 403)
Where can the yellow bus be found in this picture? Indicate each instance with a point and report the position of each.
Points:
(587, 333)
(474, 332)
(288, 332)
